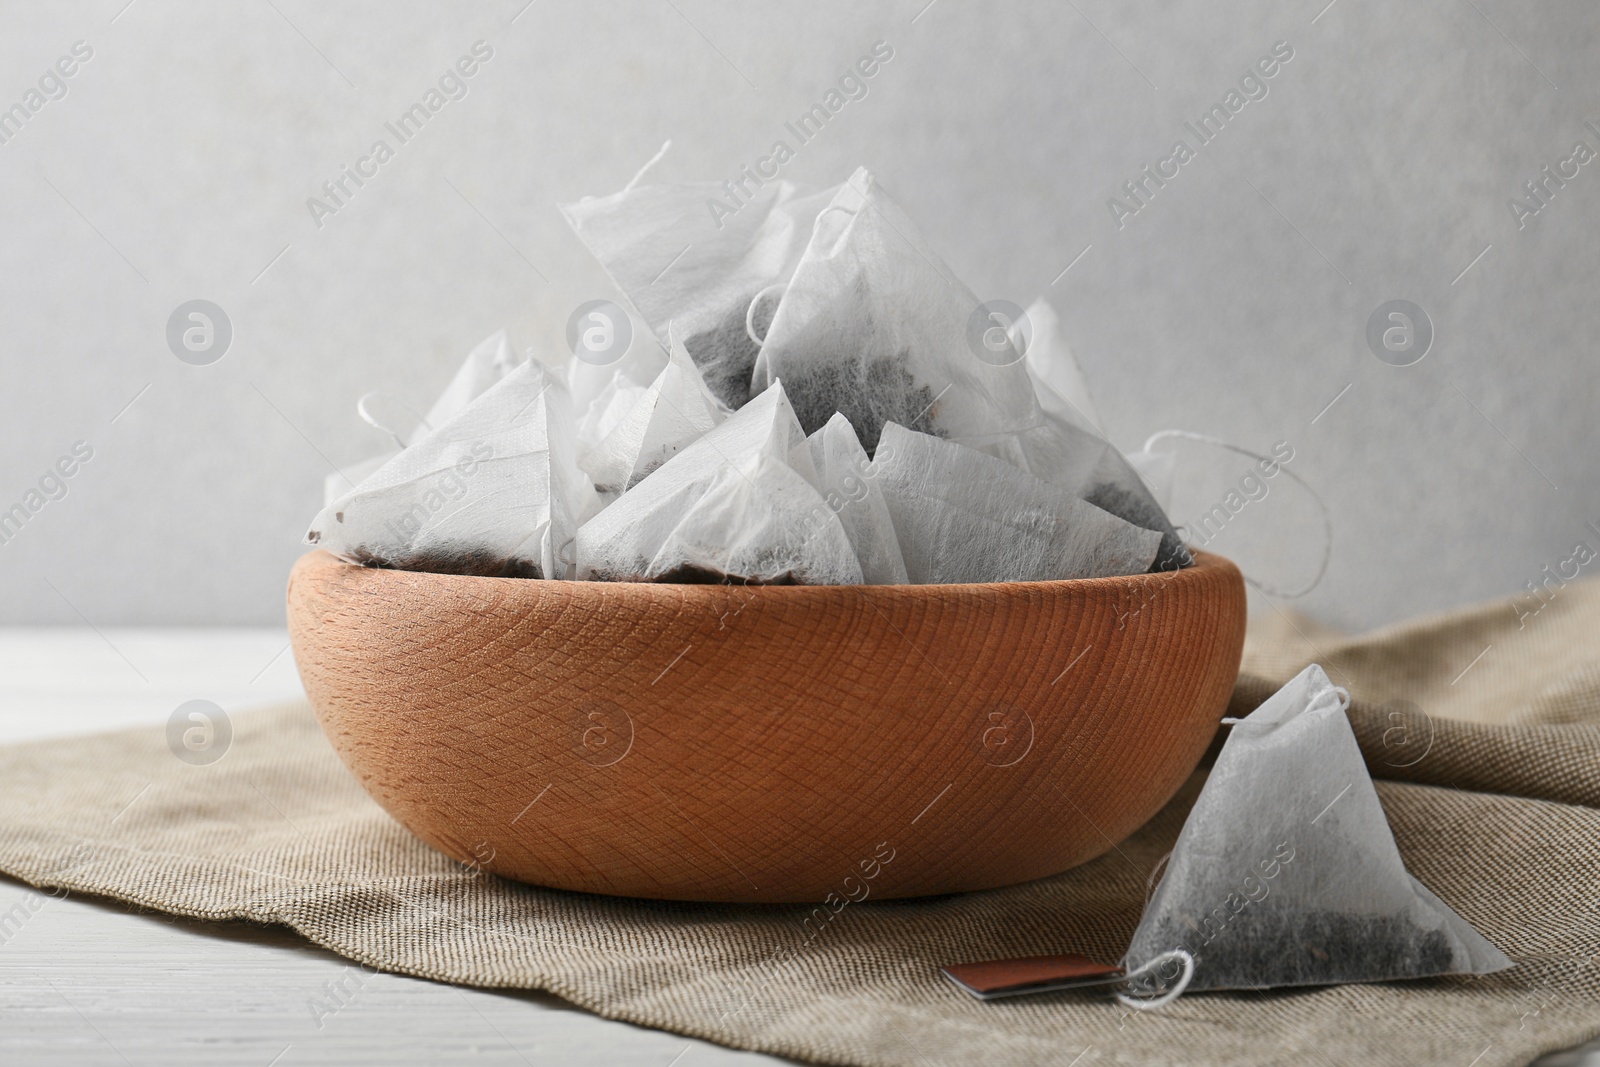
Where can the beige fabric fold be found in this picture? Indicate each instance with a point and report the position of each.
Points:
(1485, 723)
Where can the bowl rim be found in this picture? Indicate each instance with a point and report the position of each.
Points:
(1205, 563)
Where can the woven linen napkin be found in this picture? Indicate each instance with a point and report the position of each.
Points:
(1493, 794)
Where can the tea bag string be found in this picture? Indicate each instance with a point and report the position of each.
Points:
(364, 409)
(1327, 518)
(816, 224)
(646, 168)
(1340, 693)
(780, 287)
(750, 312)
(1184, 960)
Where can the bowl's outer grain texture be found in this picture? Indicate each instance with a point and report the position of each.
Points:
(707, 742)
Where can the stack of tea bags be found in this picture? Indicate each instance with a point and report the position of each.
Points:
(820, 417)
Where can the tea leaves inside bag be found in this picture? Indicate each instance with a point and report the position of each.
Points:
(680, 264)
(1286, 872)
(874, 325)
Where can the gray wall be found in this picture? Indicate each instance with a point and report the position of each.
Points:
(1378, 166)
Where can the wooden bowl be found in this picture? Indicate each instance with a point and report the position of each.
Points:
(778, 743)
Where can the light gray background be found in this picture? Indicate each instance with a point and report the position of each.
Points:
(1379, 166)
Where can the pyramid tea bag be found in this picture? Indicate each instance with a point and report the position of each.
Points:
(350, 475)
(1115, 486)
(489, 360)
(602, 394)
(964, 516)
(683, 255)
(849, 484)
(1057, 378)
(673, 412)
(606, 408)
(1286, 872)
(493, 491)
(1067, 447)
(1088, 466)
(1158, 471)
(740, 504)
(873, 325)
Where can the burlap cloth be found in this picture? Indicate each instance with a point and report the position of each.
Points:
(1495, 803)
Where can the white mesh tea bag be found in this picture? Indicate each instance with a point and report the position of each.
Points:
(681, 260)
(964, 516)
(607, 408)
(874, 325)
(603, 393)
(1115, 486)
(672, 413)
(741, 504)
(1067, 448)
(1057, 378)
(1286, 872)
(1158, 471)
(849, 484)
(350, 475)
(489, 360)
(493, 491)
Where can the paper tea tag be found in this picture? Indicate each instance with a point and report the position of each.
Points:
(991, 979)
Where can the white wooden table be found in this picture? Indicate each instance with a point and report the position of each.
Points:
(91, 982)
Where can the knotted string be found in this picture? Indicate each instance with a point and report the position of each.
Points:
(1185, 962)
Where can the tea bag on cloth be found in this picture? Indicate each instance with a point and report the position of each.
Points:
(849, 484)
(673, 412)
(741, 504)
(1286, 872)
(489, 360)
(494, 491)
(698, 255)
(964, 516)
(875, 326)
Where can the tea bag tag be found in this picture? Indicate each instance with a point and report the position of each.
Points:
(994, 979)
